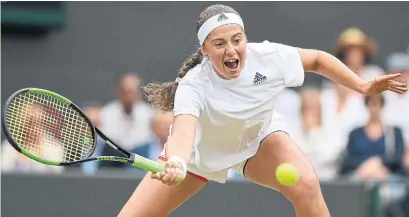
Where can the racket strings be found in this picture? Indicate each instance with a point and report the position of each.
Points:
(48, 128)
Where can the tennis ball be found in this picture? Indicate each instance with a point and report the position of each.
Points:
(287, 174)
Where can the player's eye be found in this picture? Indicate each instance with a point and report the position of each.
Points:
(219, 44)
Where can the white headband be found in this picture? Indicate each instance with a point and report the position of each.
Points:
(216, 21)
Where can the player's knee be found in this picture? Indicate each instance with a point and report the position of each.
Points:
(278, 137)
(307, 187)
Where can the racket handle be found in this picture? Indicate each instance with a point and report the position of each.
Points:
(149, 165)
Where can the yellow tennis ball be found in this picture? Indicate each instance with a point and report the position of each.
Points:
(287, 174)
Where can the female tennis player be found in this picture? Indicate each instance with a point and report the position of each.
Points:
(222, 101)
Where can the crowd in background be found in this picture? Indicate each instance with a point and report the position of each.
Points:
(343, 133)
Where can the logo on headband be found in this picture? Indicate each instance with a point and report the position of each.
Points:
(222, 18)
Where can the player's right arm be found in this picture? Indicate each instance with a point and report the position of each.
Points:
(188, 105)
(182, 137)
(178, 148)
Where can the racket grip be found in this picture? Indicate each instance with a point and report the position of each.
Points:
(149, 165)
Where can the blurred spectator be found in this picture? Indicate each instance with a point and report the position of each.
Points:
(127, 120)
(313, 139)
(406, 160)
(13, 161)
(93, 112)
(375, 151)
(342, 112)
(39, 138)
(397, 109)
(161, 125)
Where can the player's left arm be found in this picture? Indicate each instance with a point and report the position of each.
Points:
(332, 68)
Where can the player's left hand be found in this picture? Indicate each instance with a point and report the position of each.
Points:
(383, 83)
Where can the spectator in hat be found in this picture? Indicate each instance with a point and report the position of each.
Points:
(355, 49)
(343, 109)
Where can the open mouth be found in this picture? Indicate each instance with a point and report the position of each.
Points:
(232, 64)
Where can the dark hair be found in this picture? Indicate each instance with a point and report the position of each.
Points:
(162, 95)
(379, 96)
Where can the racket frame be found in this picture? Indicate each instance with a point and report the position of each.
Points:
(131, 158)
(12, 142)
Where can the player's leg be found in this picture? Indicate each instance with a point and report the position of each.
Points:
(306, 195)
(152, 198)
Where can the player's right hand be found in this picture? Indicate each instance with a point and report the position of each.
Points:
(174, 172)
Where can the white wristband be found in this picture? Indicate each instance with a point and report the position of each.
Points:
(181, 161)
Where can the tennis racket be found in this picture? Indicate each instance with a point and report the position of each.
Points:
(51, 129)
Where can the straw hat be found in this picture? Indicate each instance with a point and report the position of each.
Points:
(355, 37)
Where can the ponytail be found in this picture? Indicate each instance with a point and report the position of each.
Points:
(162, 95)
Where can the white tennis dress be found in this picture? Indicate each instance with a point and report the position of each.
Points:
(234, 116)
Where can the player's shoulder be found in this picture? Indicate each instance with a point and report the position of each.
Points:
(193, 74)
(266, 47)
(194, 77)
